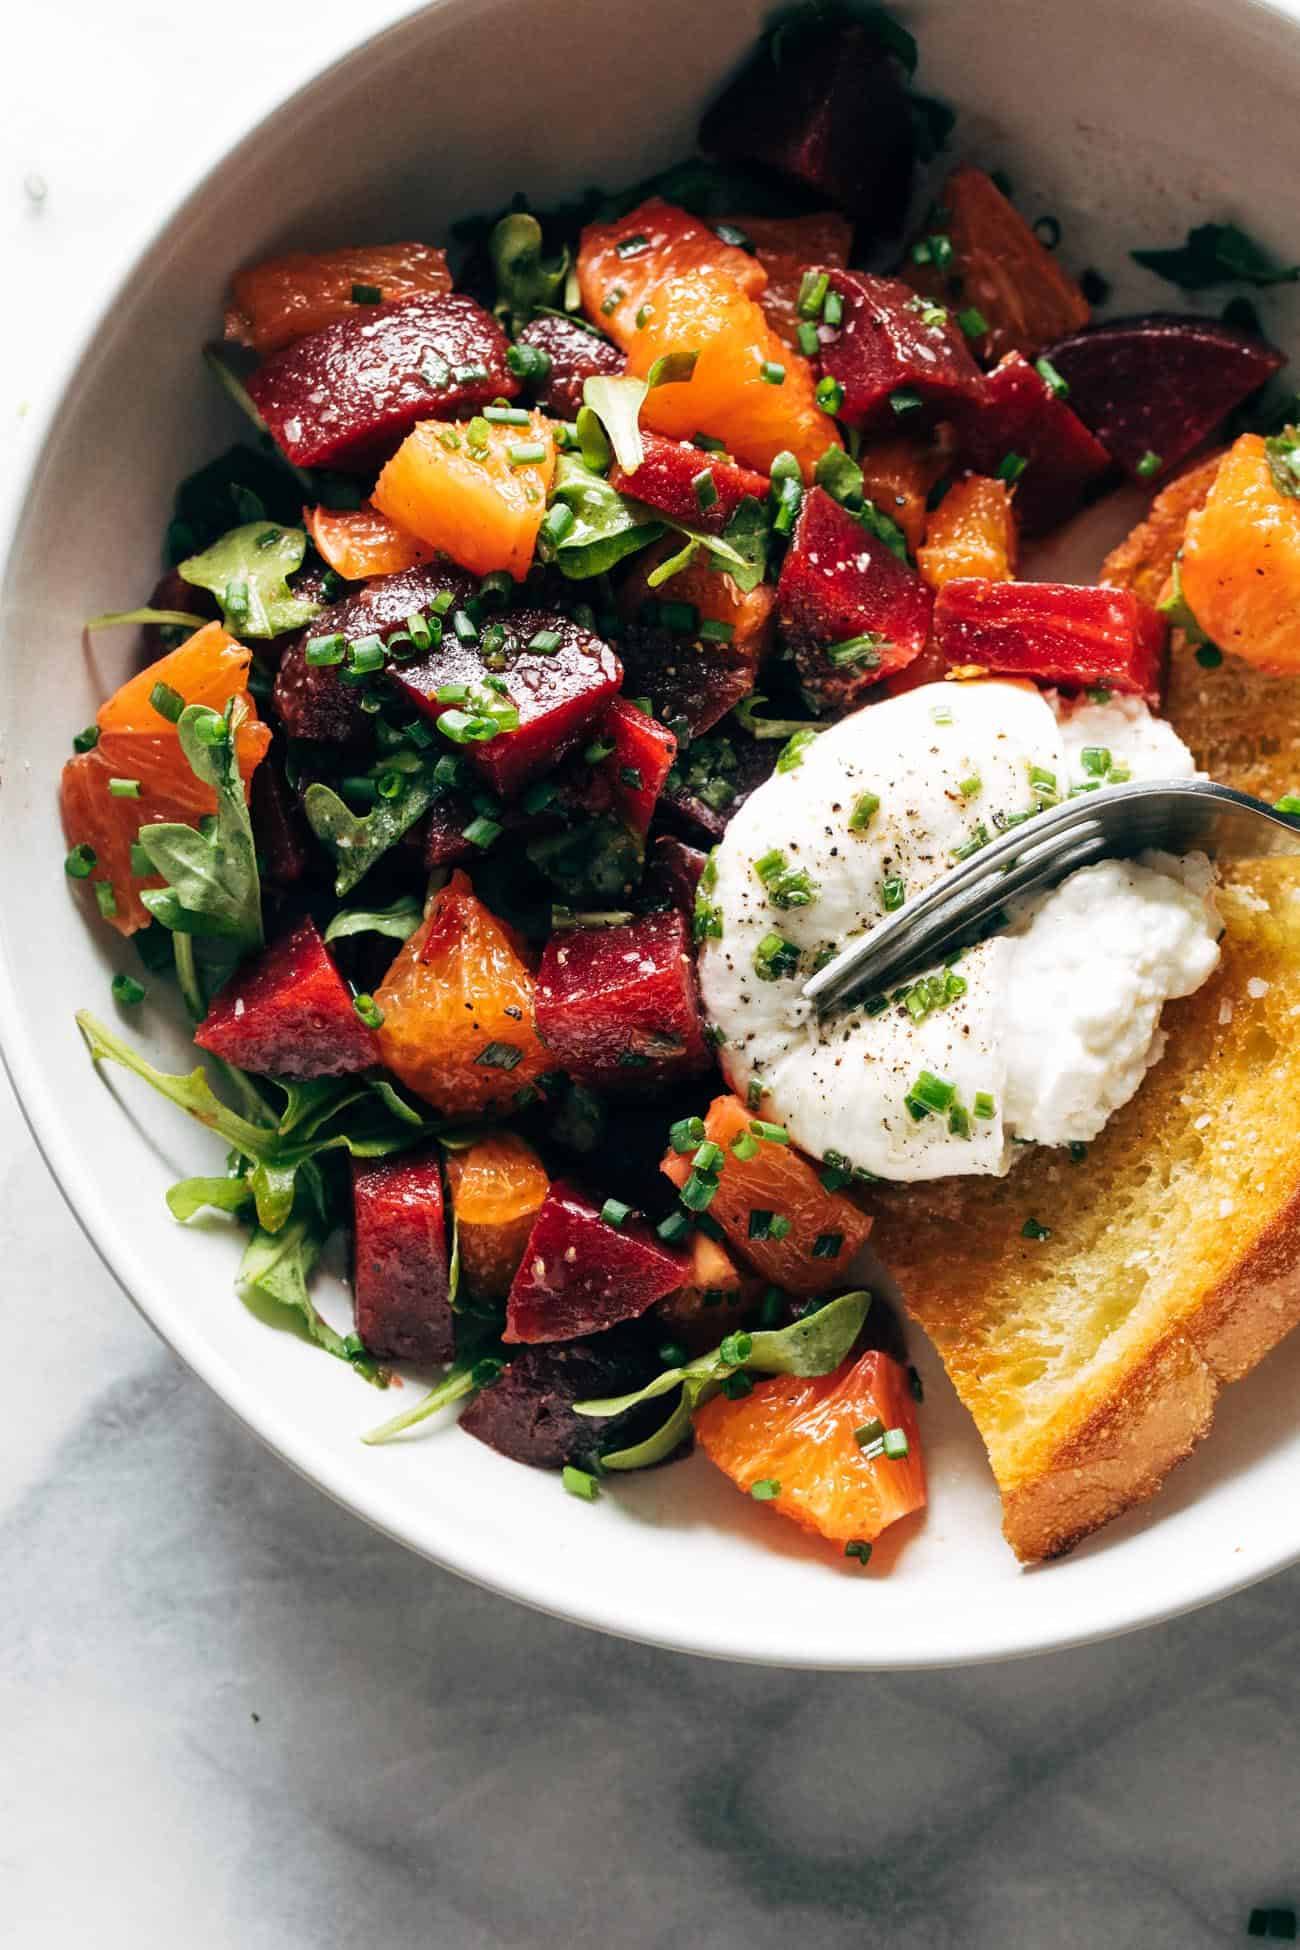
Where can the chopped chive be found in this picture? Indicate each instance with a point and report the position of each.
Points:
(500, 1056)
(507, 416)
(528, 362)
(556, 523)
(632, 246)
(464, 627)
(682, 619)
(1148, 465)
(674, 1228)
(794, 748)
(865, 808)
(124, 788)
(869, 1433)
(545, 642)
(772, 372)
(705, 489)
(481, 832)
(830, 394)
(367, 294)
(614, 1212)
(579, 1483)
(699, 1191)
(367, 656)
(731, 233)
(775, 957)
(770, 1133)
(893, 892)
(369, 1011)
(86, 741)
(745, 1146)
(936, 250)
(813, 287)
(167, 702)
(711, 630)
(859, 1548)
(105, 899)
(80, 862)
(788, 495)
(828, 1245)
(737, 1385)
(979, 839)
(1031, 1229)
(807, 340)
(1209, 656)
(928, 1094)
(983, 1105)
(1011, 467)
(765, 1489)
(833, 309)
(971, 788)
(857, 652)
(686, 1134)
(973, 322)
(1051, 377)
(127, 991)
(525, 452)
(598, 749)
(904, 402)
(896, 1445)
(612, 300)
(735, 1349)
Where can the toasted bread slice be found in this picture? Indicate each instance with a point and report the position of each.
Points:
(1092, 1359)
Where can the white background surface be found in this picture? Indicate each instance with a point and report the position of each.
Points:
(230, 1715)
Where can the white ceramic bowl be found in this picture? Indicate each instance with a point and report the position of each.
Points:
(1127, 123)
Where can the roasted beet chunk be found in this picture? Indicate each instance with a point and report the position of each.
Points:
(559, 677)
(1021, 419)
(288, 1013)
(581, 1274)
(677, 479)
(618, 1006)
(399, 1286)
(711, 781)
(1159, 385)
(348, 395)
(638, 764)
(576, 355)
(901, 359)
(673, 873)
(851, 611)
(315, 701)
(825, 105)
(528, 1414)
(1055, 633)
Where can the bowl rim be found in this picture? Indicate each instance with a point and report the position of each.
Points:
(307, 1455)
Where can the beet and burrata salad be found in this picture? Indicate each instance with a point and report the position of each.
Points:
(515, 731)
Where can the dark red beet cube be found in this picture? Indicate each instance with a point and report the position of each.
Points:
(576, 355)
(315, 701)
(1055, 633)
(711, 782)
(677, 479)
(400, 1284)
(690, 681)
(673, 874)
(838, 584)
(528, 1414)
(826, 107)
(1021, 415)
(559, 692)
(288, 1013)
(580, 1274)
(619, 1007)
(348, 395)
(902, 360)
(279, 830)
(1160, 384)
(641, 760)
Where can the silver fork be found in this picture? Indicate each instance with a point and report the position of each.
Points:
(1115, 822)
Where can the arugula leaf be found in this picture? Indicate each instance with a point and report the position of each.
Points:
(843, 480)
(745, 539)
(247, 571)
(396, 1105)
(1176, 607)
(275, 1270)
(471, 1371)
(190, 1196)
(524, 279)
(606, 527)
(617, 404)
(192, 1093)
(212, 882)
(273, 1186)
(746, 714)
(1217, 253)
(811, 1346)
(1283, 450)
(358, 840)
(399, 920)
(113, 619)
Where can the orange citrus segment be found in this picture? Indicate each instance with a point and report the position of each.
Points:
(1241, 561)
(360, 542)
(137, 742)
(786, 247)
(799, 1434)
(748, 388)
(457, 1002)
(498, 1185)
(779, 1183)
(284, 298)
(972, 532)
(897, 476)
(622, 265)
(478, 499)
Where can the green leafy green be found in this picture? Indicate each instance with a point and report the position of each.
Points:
(247, 570)
(525, 279)
(471, 1371)
(357, 840)
(212, 881)
(396, 1105)
(592, 863)
(113, 619)
(275, 1270)
(1283, 450)
(1217, 253)
(843, 480)
(606, 527)
(192, 1093)
(399, 920)
(746, 713)
(190, 1196)
(811, 1346)
(1176, 607)
(617, 403)
(743, 545)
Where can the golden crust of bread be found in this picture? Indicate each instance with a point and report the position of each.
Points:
(1091, 1360)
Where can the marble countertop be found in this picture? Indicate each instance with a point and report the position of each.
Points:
(231, 1715)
